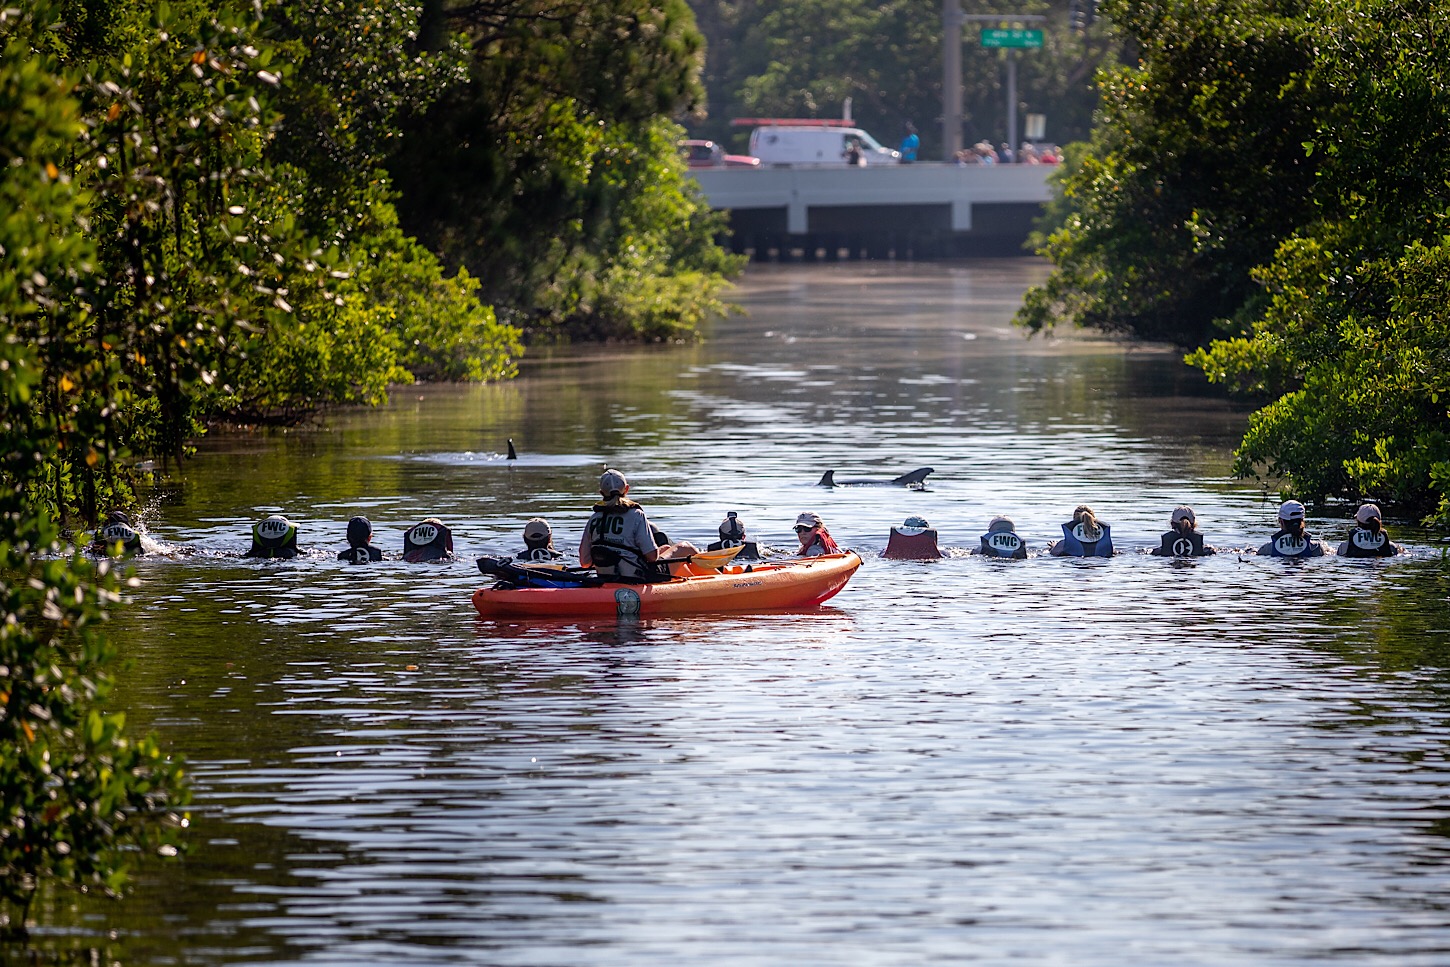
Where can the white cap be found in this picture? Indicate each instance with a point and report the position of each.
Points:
(1182, 512)
(612, 482)
(537, 528)
(1291, 510)
(808, 520)
(1366, 513)
(999, 524)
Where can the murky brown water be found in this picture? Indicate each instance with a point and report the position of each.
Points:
(1049, 761)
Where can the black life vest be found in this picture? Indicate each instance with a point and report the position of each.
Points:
(1285, 544)
(749, 550)
(360, 554)
(1175, 544)
(538, 554)
(1003, 544)
(1362, 542)
(429, 540)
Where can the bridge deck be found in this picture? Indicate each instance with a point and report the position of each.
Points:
(921, 209)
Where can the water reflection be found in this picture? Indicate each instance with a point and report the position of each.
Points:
(1233, 760)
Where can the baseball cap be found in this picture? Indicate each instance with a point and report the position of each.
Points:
(1000, 523)
(808, 520)
(1184, 512)
(1366, 513)
(612, 482)
(1291, 510)
(537, 529)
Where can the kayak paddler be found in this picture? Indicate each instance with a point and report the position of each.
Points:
(618, 541)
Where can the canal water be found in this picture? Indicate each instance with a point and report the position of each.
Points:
(1128, 761)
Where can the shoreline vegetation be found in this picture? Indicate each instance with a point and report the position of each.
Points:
(220, 210)
(1265, 187)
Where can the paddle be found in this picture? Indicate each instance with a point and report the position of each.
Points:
(710, 559)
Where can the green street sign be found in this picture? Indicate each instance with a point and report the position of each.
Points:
(1011, 38)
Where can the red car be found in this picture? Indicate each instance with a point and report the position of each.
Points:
(708, 154)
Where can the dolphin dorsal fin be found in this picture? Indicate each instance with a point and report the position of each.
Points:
(828, 479)
(917, 476)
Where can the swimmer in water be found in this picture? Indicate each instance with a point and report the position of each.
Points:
(360, 549)
(1182, 538)
(1291, 539)
(913, 540)
(1001, 540)
(273, 537)
(1367, 538)
(538, 543)
(1083, 536)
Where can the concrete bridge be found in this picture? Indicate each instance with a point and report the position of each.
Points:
(923, 210)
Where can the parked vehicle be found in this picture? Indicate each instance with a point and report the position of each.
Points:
(708, 154)
(815, 141)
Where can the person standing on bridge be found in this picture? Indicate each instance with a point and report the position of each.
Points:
(909, 145)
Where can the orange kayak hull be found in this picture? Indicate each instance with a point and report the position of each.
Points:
(764, 587)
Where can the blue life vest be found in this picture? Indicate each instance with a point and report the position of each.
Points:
(1003, 544)
(1284, 544)
(1365, 543)
(1175, 544)
(1077, 546)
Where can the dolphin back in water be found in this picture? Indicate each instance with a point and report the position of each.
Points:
(915, 479)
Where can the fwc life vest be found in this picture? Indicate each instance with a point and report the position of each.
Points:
(912, 547)
(1366, 543)
(1079, 546)
(1182, 545)
(1003, 544)
(360, 554)
(538, 554)
(118, 532)
(749, 550)
(1284, 544)
(610, 551)
(427, 541)
(274, 537)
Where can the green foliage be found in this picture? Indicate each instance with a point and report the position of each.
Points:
(1169, 213)
(76, 795)
(552, 177)
(1272, 168)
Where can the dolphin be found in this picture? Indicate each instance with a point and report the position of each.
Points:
(915, 480)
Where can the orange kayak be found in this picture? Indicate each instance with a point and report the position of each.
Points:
(695, 590)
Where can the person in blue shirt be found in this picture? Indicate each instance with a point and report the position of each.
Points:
(909, 144)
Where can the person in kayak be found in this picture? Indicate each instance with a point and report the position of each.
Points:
(1083, 536)
(1182, 538)
(1367, 538)
(117, 532)
(428, 540)
(360, 549)
(1291, 539)
(913, 540)
(273, 537)
(732, 534)
(1001, 540)
(538, 542)
(815, 540)
(618, 541)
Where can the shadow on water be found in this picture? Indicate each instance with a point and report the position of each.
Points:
(1231, 760)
